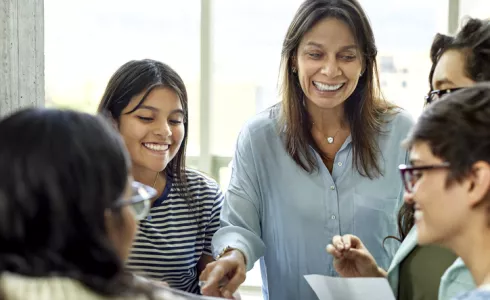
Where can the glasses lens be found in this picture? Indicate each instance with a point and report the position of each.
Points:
(142, 195)
(141, 209)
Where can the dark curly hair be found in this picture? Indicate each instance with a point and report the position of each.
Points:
(474, 40)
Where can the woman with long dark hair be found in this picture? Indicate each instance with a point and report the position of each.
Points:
(147, 102)
(320, 163)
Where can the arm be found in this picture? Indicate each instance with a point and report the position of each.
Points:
(211, 228)
(240, 221)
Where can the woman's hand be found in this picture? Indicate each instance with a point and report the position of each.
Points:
(223, 277)
(352, 259)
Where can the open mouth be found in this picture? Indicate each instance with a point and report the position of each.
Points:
(156, 147)
(323, 87)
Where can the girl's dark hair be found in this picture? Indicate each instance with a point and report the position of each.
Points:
(59, 172)
(474, 40)
(135, 77)
(364, 108)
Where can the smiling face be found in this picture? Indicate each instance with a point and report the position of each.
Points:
(440, 209)
(329, 64)
(154, 132)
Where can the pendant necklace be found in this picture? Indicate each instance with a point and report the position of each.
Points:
(329, 139)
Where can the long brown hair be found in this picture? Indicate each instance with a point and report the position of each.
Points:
(364, 108)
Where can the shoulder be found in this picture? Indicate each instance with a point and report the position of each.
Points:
(398, 120)
(199, 179)
(265, 122)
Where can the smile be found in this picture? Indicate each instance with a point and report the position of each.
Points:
(156, 147)
(327, 87)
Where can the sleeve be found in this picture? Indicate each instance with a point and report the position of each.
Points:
(241, 213)
(214, 221)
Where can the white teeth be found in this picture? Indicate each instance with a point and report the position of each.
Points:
(156, 147)
(418, 215)
(327, 87)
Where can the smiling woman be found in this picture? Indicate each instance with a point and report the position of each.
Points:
(321, 162)
(147, 101)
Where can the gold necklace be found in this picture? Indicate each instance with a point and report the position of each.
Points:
(329, 139)
(155, 181)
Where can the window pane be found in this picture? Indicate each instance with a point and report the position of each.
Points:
(86, 41)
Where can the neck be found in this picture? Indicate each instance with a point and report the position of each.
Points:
(473, 247)
(328, 121)
(156, 180)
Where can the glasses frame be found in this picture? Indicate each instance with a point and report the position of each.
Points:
(151, 192)
(404, 169)
(430, 96)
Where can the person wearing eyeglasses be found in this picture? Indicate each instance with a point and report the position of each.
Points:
(448, 180)
(69, 210)
(147, 102)
(415, 272)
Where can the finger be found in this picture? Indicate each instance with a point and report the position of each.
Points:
(359, 256)
(237, 279)
(337, 242)
(205, 273)
(211, 288)
(353, 241)
(346, 239)
(333, 251)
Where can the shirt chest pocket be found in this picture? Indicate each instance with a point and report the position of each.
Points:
(374, 220)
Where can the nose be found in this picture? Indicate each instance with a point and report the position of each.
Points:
(331, 68)
(163, 129)
(408, 198)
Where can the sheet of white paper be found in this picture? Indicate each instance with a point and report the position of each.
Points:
(336, 288)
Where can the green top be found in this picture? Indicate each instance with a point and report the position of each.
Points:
(421, 272)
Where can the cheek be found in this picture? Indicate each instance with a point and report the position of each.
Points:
(132, 133)
(178, 133)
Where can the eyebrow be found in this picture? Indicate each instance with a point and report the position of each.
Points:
(348, 47)
(440, 82)
(415, 161)
(154, 109)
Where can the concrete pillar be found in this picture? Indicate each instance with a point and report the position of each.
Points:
(21, 54)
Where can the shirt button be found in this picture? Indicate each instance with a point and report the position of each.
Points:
(333, 217)
(332, 187)
(340, 164)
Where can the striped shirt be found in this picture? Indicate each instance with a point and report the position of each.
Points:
(176, 234)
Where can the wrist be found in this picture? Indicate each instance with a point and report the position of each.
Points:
(229, 251)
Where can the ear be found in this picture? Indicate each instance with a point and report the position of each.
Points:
(479, 182)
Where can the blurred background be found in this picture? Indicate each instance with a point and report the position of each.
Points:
(228, 53)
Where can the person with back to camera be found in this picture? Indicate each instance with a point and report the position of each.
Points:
(322, 162)
(458, 62)
(69, 210)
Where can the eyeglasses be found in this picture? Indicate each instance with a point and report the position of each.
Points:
(139, 201)
(410, 175)
(434, 95)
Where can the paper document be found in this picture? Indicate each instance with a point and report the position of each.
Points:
(337, 288)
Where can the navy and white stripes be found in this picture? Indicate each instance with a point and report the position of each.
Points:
(178, 232)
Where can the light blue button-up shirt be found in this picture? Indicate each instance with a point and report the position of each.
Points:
(276, 211)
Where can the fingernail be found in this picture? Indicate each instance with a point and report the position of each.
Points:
(226, 294)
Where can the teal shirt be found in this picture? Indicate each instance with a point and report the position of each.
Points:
(456, 280)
